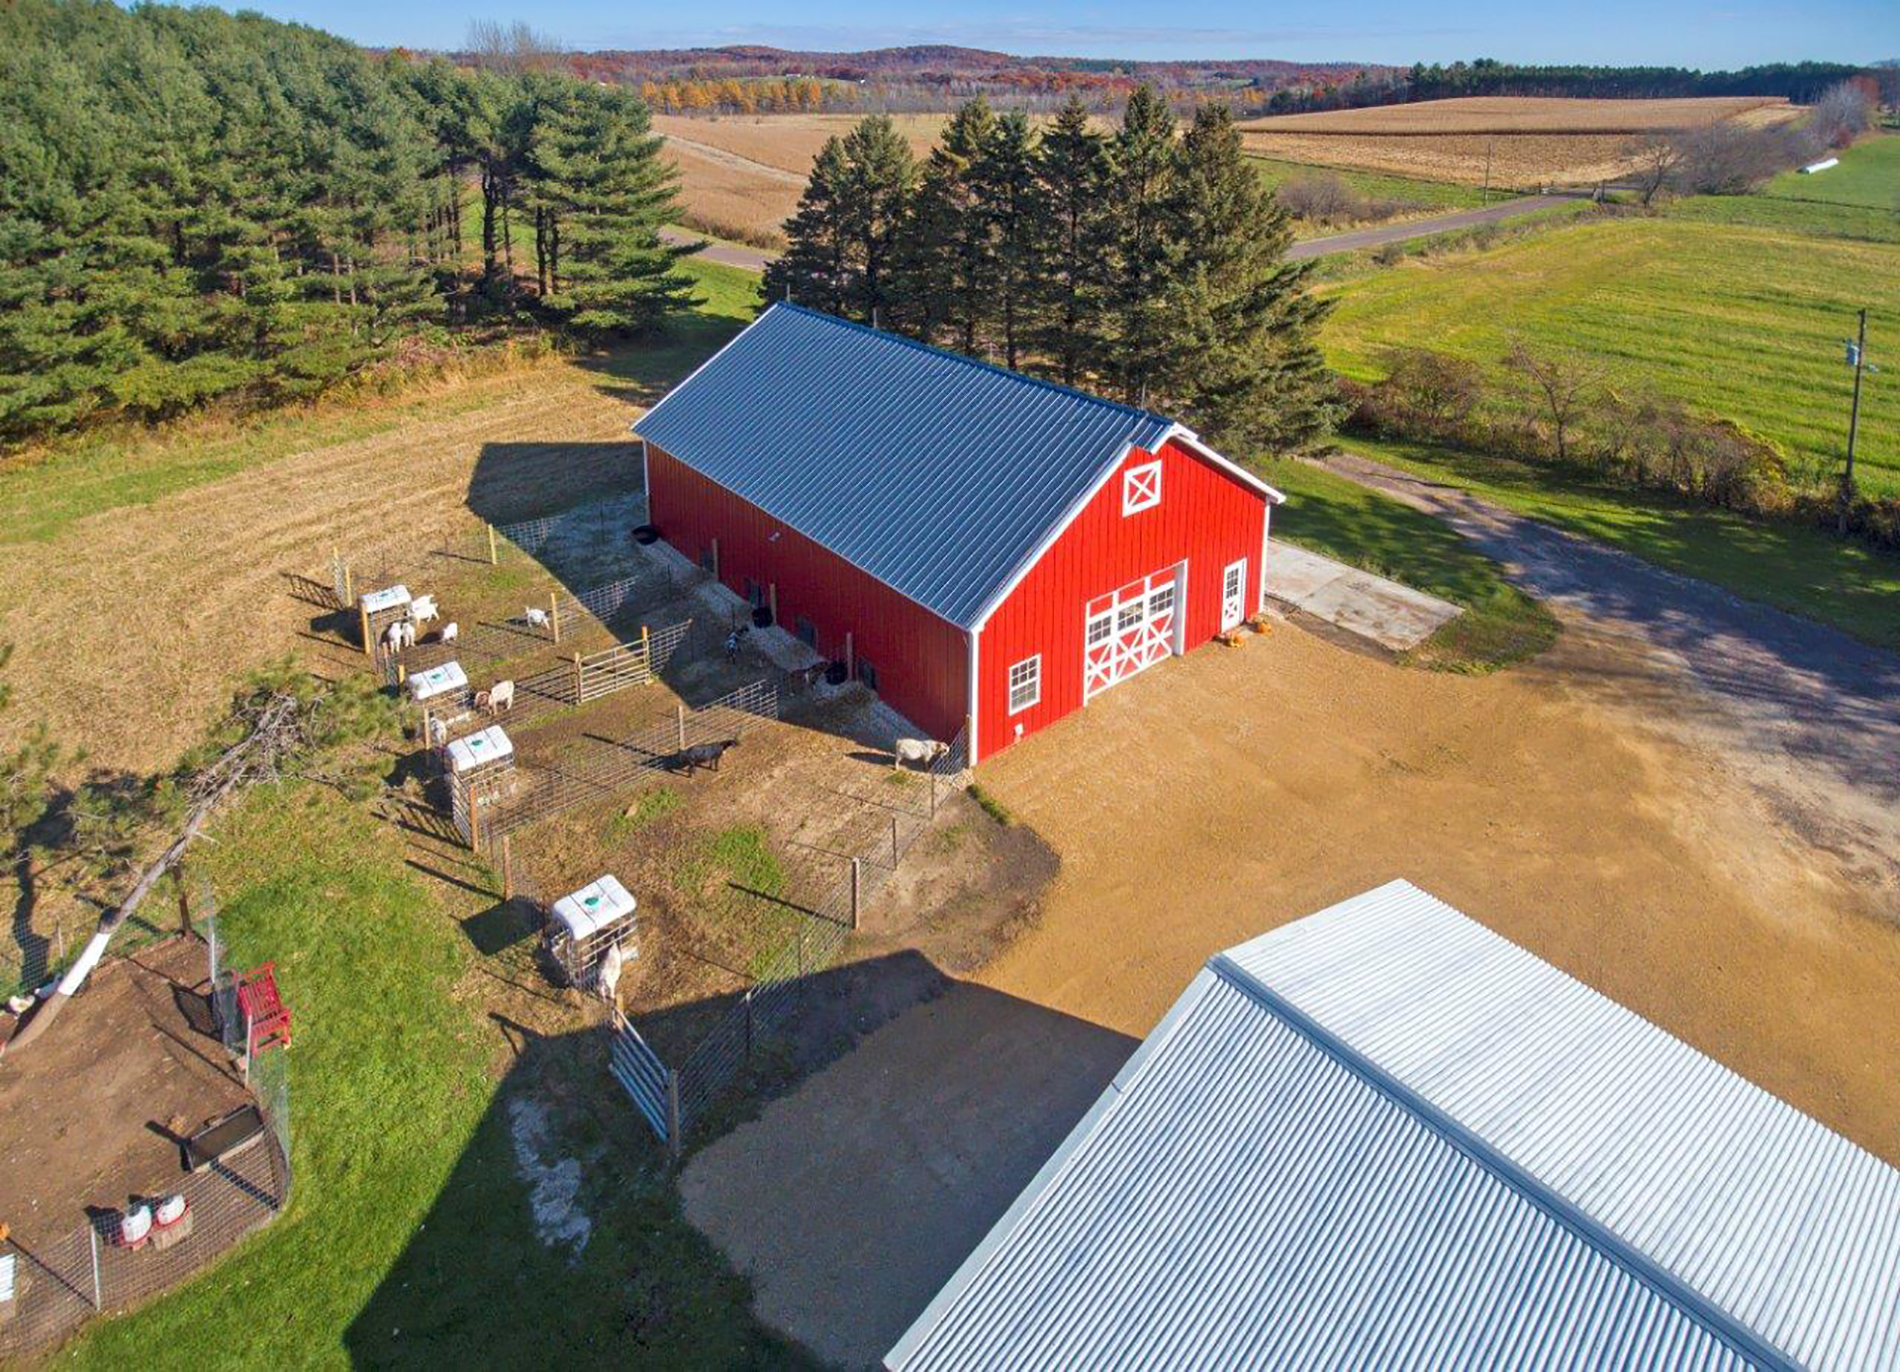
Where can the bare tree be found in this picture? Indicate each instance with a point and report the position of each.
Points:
(1320, 198)
(1436, 389)
(1843, 113)
(1564, 385)
(1887, 78)
(1654, 159)
(512, 48)
(277, 728)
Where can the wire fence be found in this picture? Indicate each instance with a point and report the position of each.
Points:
(671, 1099)
(48, 1288)
(496, 804)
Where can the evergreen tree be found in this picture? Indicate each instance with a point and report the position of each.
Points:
(1242, 312)
(1074, 239)
(1146, 351)
(815, 268)
(947, 264)
(880, 178)
(599, 172)
(1009, 200)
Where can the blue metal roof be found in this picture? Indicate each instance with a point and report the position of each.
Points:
(1385, 1136)
(939, 475)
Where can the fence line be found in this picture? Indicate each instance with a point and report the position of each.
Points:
(59, 1284)
(495, 805)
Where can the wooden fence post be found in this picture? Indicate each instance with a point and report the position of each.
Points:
(494, 553)
(893, 842)
(577, 678)
(554, 613)
(771, 599)
(748, 1021)
(850, 659)
(715, 553)
(369, 644)
(673, 1114)
(507, 868)
(857, 891)
(681, 710)
(646, 654)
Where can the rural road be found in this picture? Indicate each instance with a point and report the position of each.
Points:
(1807, 714)
(755, 259)
(1422, 228)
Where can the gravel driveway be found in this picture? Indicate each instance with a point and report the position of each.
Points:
(1807, 714)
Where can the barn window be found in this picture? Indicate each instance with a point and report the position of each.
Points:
(1141, 488)
(1025, 684)
(867, 674)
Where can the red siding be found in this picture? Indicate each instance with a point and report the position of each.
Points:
(922, 660)
(1205, 517)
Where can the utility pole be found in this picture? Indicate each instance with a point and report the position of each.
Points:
(1857, 359)
(1484, 196)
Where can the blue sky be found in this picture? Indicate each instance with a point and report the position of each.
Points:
(1700, 33)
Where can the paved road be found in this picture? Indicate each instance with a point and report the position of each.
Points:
(755, 259)
(1423, 228)
(1808, 714)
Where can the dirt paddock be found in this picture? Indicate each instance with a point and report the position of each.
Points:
(1222, 794)
(87, 1116)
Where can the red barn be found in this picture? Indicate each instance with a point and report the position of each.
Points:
(989, 551)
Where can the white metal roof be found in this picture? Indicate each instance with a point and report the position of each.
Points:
(1384, 1135)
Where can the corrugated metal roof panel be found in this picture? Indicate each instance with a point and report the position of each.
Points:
(937, 474)
(1384, 1135)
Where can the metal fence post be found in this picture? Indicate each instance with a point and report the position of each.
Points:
(673, 1114)
(857, 889)
(748, 1021)
(98, 1293)
(554, 614)
(577, 676)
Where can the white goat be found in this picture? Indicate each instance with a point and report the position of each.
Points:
(499, 697)
(422, 610)
(393, 636)
(450, 632)
(607, 975)
(438, 732)
(537, 617)
(924, 750)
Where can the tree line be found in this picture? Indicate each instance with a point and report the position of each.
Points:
(1136, 262)
(199, 207)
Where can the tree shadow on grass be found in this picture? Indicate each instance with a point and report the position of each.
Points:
(559, 1238)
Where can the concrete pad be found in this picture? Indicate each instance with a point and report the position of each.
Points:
(848, 1203)
(1374, 607)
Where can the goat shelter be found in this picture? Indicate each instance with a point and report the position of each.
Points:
(985, 550)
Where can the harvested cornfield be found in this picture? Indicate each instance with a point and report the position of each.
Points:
(1500, 114)
(1502, 140)
(786, 141)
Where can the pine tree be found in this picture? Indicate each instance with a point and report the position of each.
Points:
(947, 265)
(1073, 168)
(815, 267)
(1257, 380)
(880, 178)
(600, 172)
(1146, 351)
(1009, 201)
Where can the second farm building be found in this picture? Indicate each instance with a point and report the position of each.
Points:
(986, 550)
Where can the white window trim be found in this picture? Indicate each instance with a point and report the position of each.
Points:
(1009, 683)
(1133, 500)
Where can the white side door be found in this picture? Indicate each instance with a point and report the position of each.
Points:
(1233, 594)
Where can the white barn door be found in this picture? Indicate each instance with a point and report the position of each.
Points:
(1233, 595)
(1129, 629)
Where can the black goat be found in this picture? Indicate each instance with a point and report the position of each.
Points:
(705, 755)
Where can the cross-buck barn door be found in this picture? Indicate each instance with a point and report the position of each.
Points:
(1128, 630)
(1233, 594)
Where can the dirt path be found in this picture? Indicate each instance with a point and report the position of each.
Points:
(737, 162)
(1805, 714)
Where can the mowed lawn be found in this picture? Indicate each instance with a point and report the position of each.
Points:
(1858, 199)
(1411, 190)
(1744, 322)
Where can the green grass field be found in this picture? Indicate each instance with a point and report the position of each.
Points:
(1792, 566)
(1744, 322)
(1859, 199)
(1437, 195)
(1344, 520)
(409, 1239)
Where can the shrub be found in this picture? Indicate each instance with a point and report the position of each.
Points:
(1434, 391)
